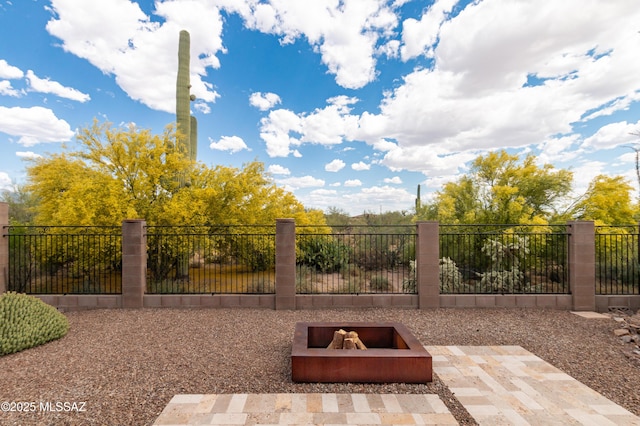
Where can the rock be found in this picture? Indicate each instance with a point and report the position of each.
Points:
(620, 331)
(627, 338)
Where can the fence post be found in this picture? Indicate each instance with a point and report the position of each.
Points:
(285, 264)
(428, 264)
(582, 265)
(134, 263)
(4, 248)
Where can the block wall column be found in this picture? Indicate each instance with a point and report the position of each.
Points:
(134, 262)
(582, 265)
(4, 247)
(285, 264)
(428, 264)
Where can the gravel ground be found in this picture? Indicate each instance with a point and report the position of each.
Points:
(121, 367)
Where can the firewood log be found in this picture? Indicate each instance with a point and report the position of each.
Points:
(348, 343)
(338, 339)
(354, 335)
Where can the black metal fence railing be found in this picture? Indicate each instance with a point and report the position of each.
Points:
(617, 263)
(355, 259)
(211, 259)
(505, 259)
(64, 259)
(474, 259)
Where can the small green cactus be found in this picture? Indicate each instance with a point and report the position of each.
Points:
(26, 321)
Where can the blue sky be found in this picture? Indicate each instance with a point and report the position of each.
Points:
(348, 103)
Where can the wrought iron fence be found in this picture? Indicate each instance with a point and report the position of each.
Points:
(355, 259)
(211, 259)
(208, 259)
(505, 259)
(64, 259)
(617, 264)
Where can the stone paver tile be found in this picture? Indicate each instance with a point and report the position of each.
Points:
(391, 403)
(363, 419)
(314, 403)
(229, 418)
(237, 403)
(206, 404)
(397, 419)
(360, 403)
(221, 403)
(187, 399)
(329, 403)
(260, 403)
(283, 403)
(375, 403)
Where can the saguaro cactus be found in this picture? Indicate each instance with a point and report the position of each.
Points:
(187, 124)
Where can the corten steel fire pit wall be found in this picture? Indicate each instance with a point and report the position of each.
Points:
(394, 355)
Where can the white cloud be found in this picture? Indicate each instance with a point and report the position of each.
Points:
(334, 166)
(370, 199)
(389, 49)
(202, 107)
(344, 33)
(326, 126)
(275, 130)
(508, 74)
(419, 37)
(294, 183)
(558, 149)
(5, 182)
(7, 90)
(351, 183)
(142, 54)
(232, 144)
(612, 135)
(264, 101)
(34, 125)
(584, 174)
(9, 71)
(44, 85)
(360, 166)
(27, 154)
(395, 180)
(276, 169)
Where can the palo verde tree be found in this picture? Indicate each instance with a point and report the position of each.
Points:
(116, 174)
(119, 173)
(607, 201)
(501, 188)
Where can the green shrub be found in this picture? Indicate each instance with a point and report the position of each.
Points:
(380, 283)
(450, 276)
(26, 321)
(323, 252)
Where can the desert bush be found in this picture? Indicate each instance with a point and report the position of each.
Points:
(409, 284)
(505, 275)
(450, 276)
(304, 279)
(323, 252)
(26, 321)
(380, 283)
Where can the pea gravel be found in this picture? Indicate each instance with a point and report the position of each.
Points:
(121, 367)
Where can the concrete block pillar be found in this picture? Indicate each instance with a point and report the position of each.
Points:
(4, 247)
(582, 265)
(285, 264)
(134, 262)
(428, 264)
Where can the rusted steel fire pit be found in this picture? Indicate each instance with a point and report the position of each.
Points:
(394, 355)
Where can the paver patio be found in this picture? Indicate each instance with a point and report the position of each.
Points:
(498, 385)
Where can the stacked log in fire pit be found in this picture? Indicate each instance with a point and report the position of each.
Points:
(346, 340)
